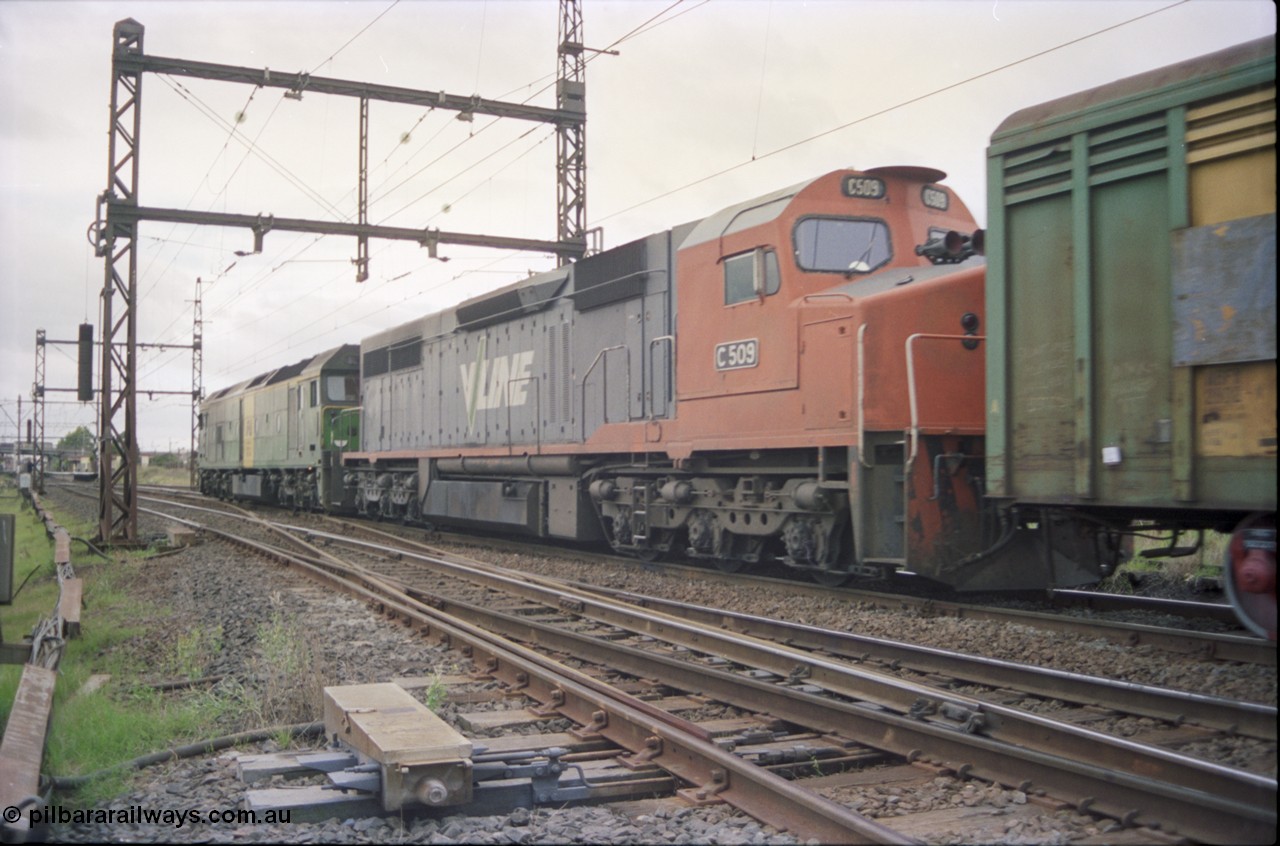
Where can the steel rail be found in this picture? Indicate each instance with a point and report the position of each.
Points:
(1226, 647)
(1097, 601)
(656, 738)
(1232, 716)
(1250, 719)
(1184, 804)
(1243, 648)
(1130, 781)
(1177, 706)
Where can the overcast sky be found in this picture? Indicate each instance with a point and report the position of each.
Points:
(707, 104)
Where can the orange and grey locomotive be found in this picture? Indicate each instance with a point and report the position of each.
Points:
(798, 378)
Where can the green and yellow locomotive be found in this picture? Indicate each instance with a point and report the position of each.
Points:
(278, 436)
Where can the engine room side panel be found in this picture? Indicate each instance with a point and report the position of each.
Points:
(512, 372)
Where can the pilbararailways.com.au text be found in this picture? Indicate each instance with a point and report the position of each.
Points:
(139, 815)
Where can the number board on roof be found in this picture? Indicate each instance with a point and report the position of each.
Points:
(935, 197)
(863, 187)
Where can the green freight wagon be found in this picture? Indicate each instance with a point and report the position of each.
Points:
(278, 437)
(1131, 366)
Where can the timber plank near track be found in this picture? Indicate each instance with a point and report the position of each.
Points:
(22, 750)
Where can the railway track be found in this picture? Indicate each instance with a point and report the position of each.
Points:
(852, 712)
(1226, 646)
(1083, 613)
(942, 667)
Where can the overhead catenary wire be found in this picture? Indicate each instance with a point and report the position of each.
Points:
(903, 104)
(764, 64)
(353, 38)
(342, 306)
(251, 145)
(251, 148)
(547, 135)
(649, 24)
(644, 27)
(378, 194)
(211, 113)
(203, 180)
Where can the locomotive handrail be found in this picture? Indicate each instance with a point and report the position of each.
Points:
(860, 379)
(599, 356)
(861, 391)
(911, 383)
(671, 339)
(827, 295)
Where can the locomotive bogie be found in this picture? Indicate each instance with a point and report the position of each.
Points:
(725, 518)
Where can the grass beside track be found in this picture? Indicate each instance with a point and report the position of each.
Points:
(125, 717)
(1205, 562)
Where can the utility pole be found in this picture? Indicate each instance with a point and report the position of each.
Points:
(197, 378)
(37, 414)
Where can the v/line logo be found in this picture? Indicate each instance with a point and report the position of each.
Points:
(496, 382)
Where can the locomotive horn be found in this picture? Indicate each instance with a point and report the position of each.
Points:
(950, 248)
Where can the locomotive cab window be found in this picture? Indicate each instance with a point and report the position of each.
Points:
(340, 388)
(748, 276)
(841, 245)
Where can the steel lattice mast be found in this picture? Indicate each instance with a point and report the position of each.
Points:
(197, 377)
(119, 213)
(117, 243)
(571, 138)
(37, 413)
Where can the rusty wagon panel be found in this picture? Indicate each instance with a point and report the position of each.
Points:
(1131, 361)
